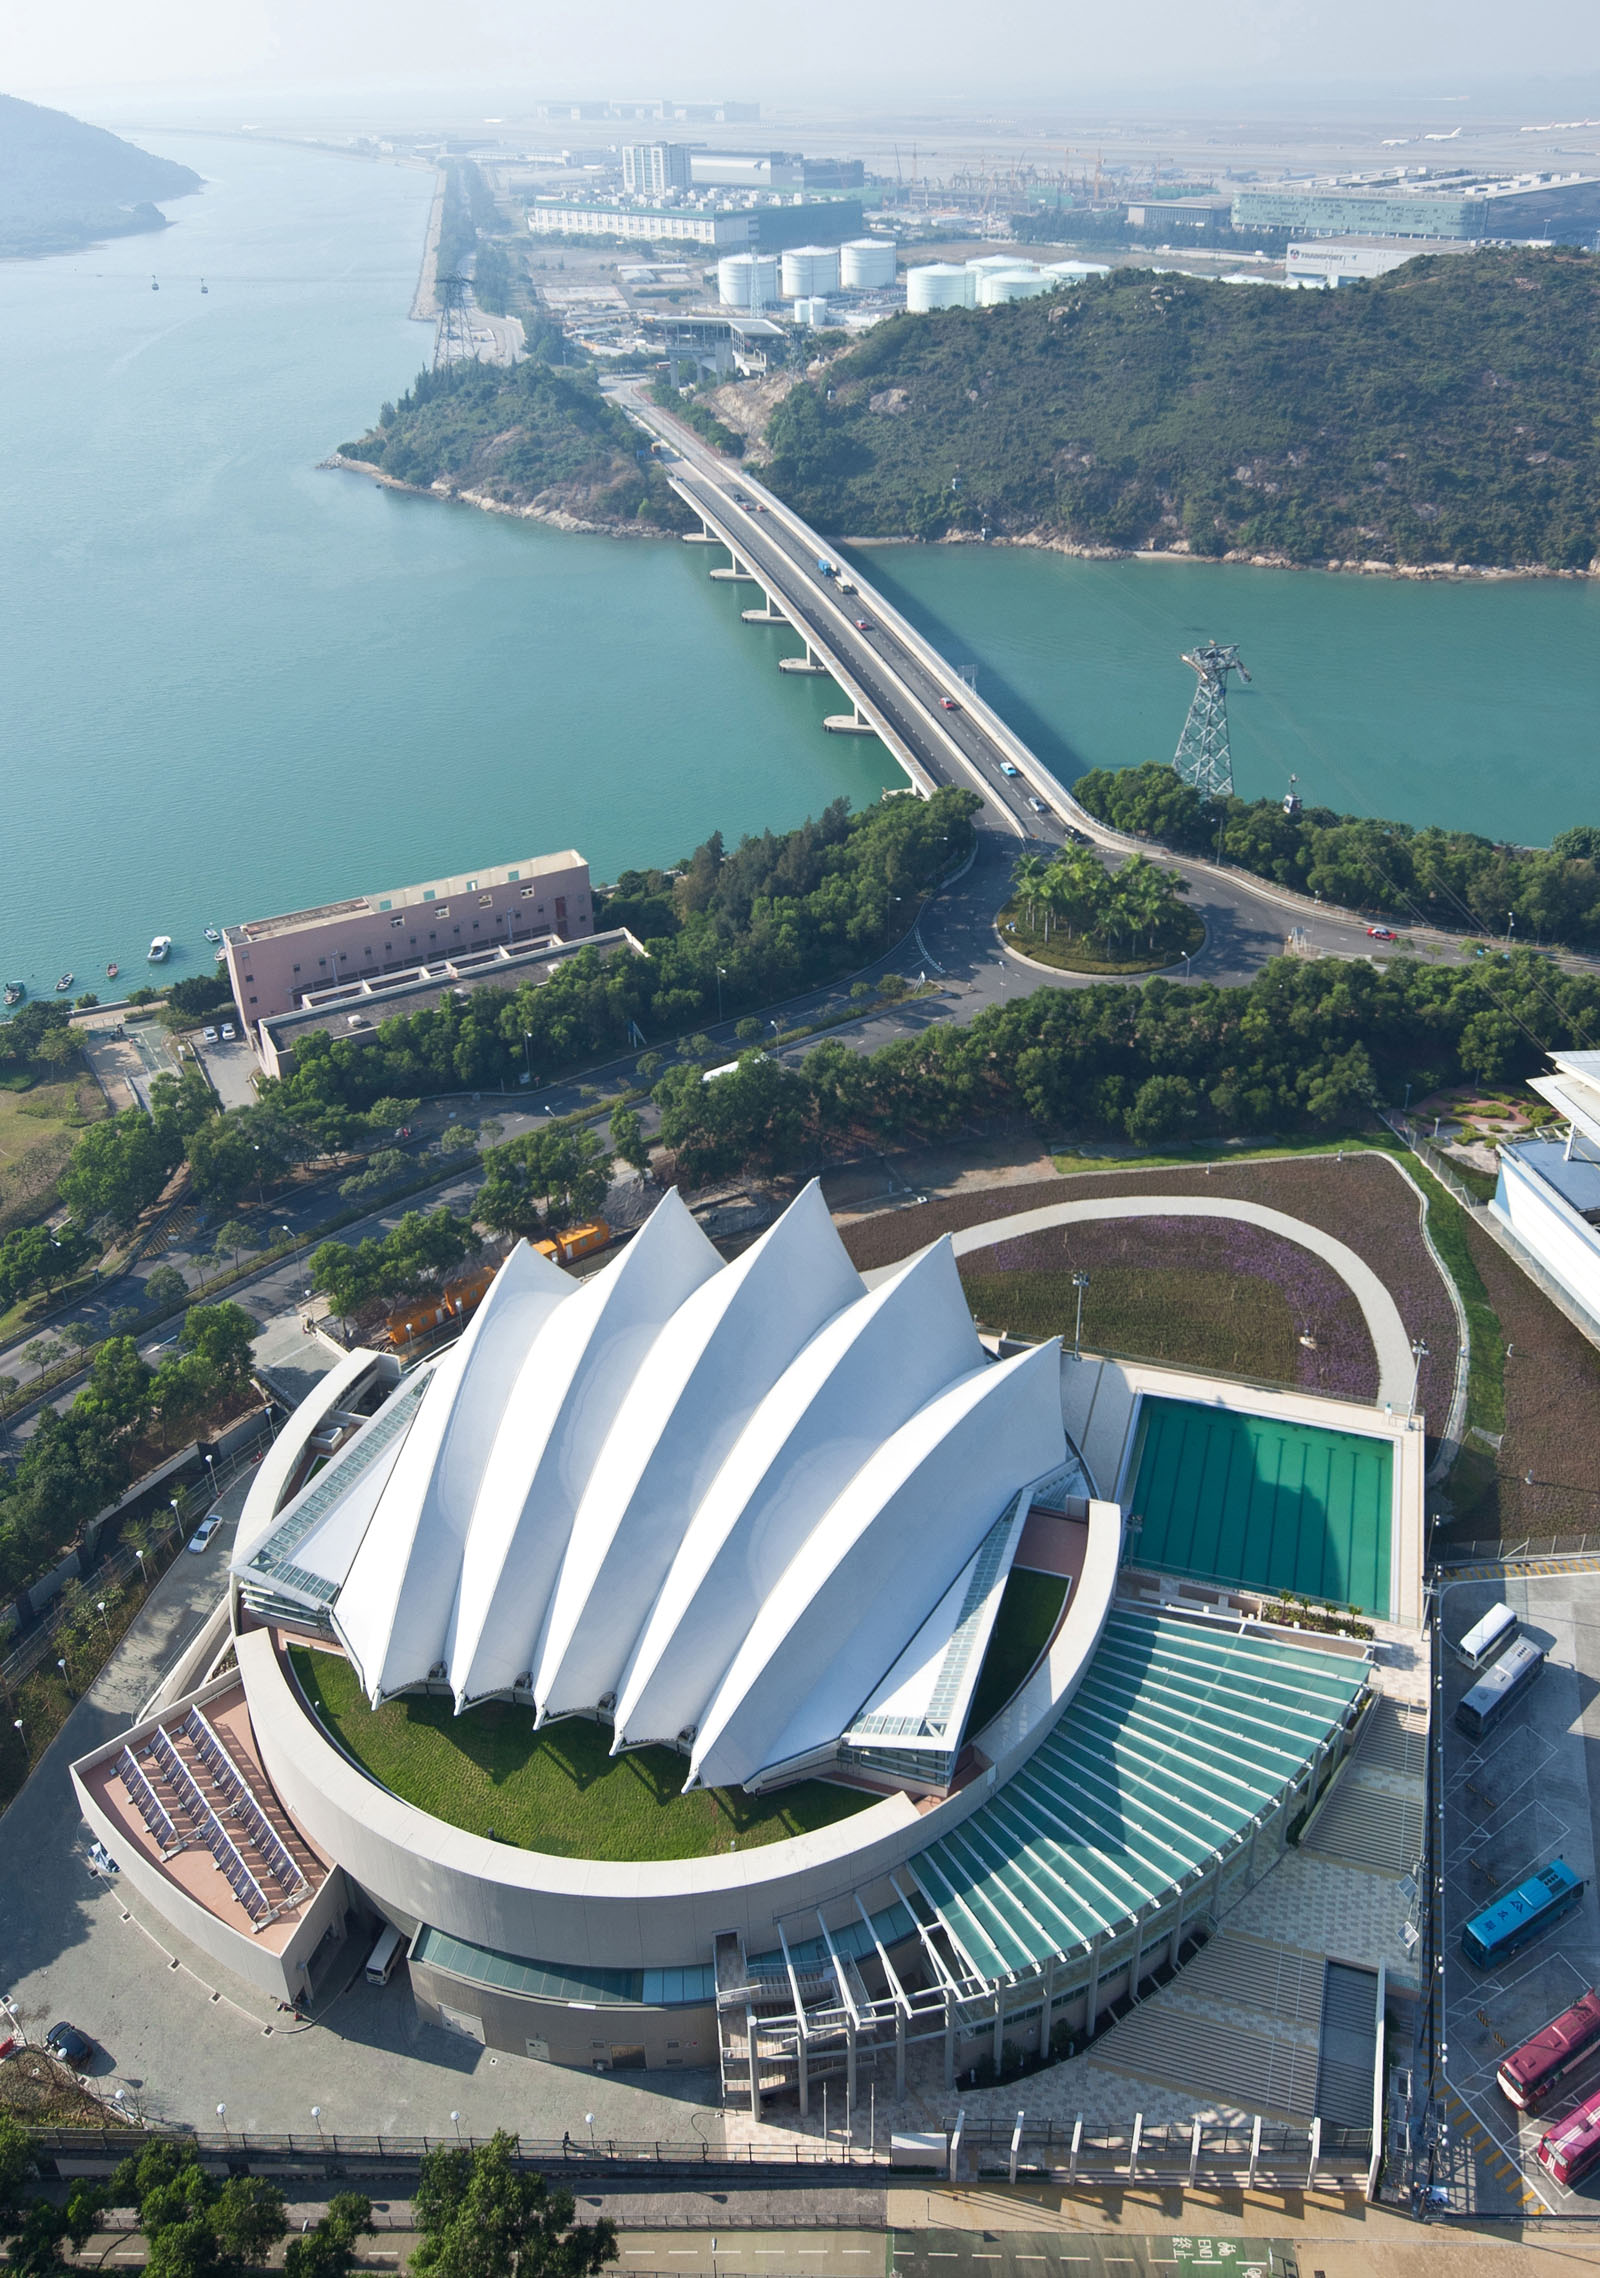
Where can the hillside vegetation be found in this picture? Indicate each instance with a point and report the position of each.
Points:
(536, 435)
(1443, 414)
(63, 184)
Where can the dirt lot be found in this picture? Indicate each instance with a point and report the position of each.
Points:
(1363, 1201)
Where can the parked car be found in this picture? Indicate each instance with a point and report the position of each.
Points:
(66, 2042)
(208, 1035)
(1382, 933)
(228, 1032)
(203, 1533)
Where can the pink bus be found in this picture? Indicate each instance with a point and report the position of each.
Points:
(1529, 2073)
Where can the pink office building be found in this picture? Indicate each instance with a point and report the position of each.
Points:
(274, 963)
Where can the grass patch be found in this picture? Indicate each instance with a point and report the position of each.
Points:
(1486, 1366)
(39, 1124)
(1192, 1318)
(1029, 1608)
(1218, 1151)
(560, 1790)
(1087, 954)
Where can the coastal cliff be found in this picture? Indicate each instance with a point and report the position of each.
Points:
(64, 184)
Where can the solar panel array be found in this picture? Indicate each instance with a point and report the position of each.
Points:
(243, 1802)
(146, 1802)
(210, 1829)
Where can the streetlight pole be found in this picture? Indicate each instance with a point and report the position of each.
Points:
(100, 1608)
(1419, 1353)
(1080, 1282)
(720, 970)
(527, 1051)
(222, 2115)
(316, 2114)
(21, 1735)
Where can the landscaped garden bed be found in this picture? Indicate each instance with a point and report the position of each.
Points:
(1361, 1200)
(1210, 1294)
(560, 1790)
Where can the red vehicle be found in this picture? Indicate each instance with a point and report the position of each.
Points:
(863, 624)
(1382, 933)
(1529, 2073)
(1572, 2146)
(949, 704)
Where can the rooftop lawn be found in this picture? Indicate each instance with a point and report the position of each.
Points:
(558, 1791)
(1029, 1607)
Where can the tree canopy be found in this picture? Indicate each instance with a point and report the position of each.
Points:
(481, 2216)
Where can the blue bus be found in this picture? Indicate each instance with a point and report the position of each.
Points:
(1522, 1915)
(1498, 1687)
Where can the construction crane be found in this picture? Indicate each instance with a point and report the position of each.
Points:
(1203, 757)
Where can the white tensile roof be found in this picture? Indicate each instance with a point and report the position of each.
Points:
(713, 1502)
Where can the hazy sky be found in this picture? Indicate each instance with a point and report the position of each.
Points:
(848, 51)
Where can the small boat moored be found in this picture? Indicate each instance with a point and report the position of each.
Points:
(160, 949)
(213, 933)
(112, 970)
(15, 991)
(64, 984)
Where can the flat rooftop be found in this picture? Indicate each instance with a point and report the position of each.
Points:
(1263, 1501)
(407, 897)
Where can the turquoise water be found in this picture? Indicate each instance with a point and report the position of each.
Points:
(235, 683)
(1470, 703)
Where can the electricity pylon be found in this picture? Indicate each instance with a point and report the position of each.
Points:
(1203, 757)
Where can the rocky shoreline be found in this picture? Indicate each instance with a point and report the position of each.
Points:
(555, 517)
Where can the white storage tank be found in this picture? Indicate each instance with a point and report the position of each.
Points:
(866, 264)
(941, 284)
(981, 263)
(997, 285)
(747, 280)
(810, 269)
(1065, 271)
(811, 309)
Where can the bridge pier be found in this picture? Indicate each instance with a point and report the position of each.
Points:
(701, 537)
(851, 723)
(766, 616)
(735, 576)
(807, 663)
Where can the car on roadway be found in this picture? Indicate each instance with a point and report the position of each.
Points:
(1036, 804)
(1006, 767)
(1382, 933)
(1078, 837)
(66, 2042)
(203, 1533)
(948, 704)
(863, 624)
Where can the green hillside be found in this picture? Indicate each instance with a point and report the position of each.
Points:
(1444, 413)
(533, 434)
(65, 184)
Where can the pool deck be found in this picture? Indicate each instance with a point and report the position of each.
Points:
(1100, 1403)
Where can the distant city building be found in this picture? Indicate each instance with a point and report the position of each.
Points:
(651, 169)
(649, 225)
(713, 344)
(685, 114)
(867, 264)
(1353, 260)
(1565, 207)
(1180, 213)
(809, 269)
(773, 170)
(1548, 1193)
(273, 964)
(772, 227)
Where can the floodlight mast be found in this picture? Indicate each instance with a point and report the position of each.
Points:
(1203, 757)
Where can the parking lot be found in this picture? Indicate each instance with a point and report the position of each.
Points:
(1521, 1797)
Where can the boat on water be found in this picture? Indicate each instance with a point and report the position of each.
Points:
(154, 286)
(160, 949)
(204, 287)
(221, 956)
(112, 970)
(213, 933)
(64, 984)
(15, 991)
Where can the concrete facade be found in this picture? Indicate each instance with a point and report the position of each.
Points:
(274, 963)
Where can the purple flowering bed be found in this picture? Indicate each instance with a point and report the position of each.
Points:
(1211, 1293)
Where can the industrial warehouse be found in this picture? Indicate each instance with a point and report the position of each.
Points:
(735, 1552)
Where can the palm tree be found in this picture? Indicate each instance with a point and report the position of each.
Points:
(1027, 876)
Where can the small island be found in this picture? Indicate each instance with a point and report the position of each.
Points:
(64, 184)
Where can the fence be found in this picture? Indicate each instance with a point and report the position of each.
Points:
(1530, 1547)
(1285, 2155)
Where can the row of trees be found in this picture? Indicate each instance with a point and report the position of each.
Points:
(477, 2215)
(1438, 877)
(1115, 908)
(72, 1465)
(1305, 1046)
(415, 1256)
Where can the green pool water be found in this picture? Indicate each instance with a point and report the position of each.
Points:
(1275, 1506)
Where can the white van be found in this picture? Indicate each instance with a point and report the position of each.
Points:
(384, 1955)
